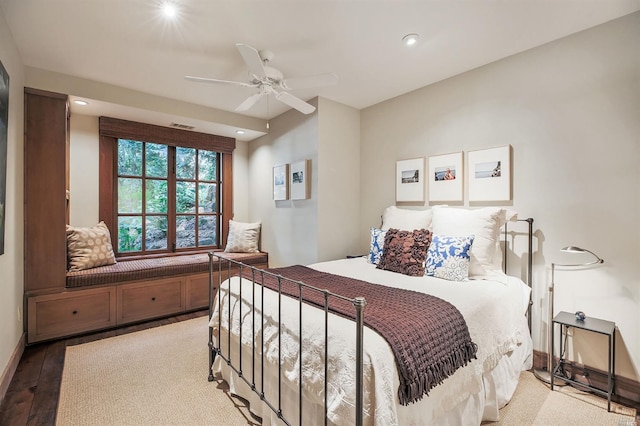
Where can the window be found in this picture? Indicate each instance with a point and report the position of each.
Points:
(163, 190)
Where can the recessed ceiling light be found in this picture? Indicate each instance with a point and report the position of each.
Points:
(240, 132)
(80, 102)
(410, 39)
(169, 10)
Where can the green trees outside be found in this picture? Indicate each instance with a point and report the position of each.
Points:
(194, 210)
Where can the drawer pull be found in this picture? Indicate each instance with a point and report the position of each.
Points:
(153, 299)
(74, 312)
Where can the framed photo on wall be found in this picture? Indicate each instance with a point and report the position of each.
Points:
(446, 177)
(299, 183)
(281, 182)
(490, 174)
(410, 180)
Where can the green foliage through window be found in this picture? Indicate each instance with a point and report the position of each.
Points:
(148, 217)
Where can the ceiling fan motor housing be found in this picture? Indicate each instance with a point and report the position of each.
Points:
(273, 76)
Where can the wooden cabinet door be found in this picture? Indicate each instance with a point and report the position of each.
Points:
(45, 189)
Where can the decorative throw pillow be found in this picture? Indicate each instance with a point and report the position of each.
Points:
(448, 257)
(243, 237)
(405, 251)
(377, 245)
(89, 247)
(484, 223)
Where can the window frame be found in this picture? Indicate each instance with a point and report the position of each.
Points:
(112, 129)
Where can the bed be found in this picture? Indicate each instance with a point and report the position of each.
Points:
(362, 379)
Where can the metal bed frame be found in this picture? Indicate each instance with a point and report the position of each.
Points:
(359, 304)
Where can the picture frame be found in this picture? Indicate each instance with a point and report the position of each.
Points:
(299, 182)
(410, 180)
(4, 124)
(446, 177)
(490, 173)
(281, 182)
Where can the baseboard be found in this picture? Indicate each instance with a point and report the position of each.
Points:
(624, 387)
(11, 367)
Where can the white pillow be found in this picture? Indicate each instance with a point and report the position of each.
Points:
(485, 224)
(406, 220)
(243, 237)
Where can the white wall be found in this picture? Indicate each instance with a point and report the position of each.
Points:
(289, 228)
(571, 111)
(84, 176)
(12, 261)
(241, 182)
(338, 180)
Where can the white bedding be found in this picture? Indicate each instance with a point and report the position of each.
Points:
(494, 312)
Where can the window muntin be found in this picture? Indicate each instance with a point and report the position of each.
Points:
(178, 209)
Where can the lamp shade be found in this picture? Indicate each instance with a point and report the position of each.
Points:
(574, 249)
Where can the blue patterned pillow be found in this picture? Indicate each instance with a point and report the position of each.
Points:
(377, 244)
(448, 257)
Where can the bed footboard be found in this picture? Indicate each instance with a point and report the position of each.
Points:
(221, 267)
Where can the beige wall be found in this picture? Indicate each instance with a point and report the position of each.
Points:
(571, 111)
(289, 228)
(338, 180)
(12, 261)
(84, 174)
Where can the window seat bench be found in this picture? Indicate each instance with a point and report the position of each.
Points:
(126, 292)
(145, 269)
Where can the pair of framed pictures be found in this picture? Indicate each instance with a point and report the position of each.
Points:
(291, 181)
(489, 172)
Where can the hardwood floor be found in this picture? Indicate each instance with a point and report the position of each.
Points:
(32, 397)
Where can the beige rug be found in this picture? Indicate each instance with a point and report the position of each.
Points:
(534, 404)
(152, 377)
(159, 377)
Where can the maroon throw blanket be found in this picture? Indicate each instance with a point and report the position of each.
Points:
(428, 335)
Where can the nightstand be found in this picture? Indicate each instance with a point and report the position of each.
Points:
(608, 328)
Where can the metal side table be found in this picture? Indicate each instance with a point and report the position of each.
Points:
(608, 328)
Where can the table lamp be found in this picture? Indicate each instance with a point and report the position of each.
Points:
(545, 375)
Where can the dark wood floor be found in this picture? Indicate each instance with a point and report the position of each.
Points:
(32, 397)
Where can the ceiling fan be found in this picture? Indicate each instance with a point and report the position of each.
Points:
(270, 81)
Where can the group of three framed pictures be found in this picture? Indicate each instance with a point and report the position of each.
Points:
(488, 171)
(291, 181)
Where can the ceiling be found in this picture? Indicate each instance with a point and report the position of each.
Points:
(130, 44)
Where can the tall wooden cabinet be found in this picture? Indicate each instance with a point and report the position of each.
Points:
(46, 184)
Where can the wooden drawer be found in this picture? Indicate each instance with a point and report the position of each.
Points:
(73, 312)
(198, 291)
(149, 299)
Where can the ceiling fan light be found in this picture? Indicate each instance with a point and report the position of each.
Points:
(410, 39)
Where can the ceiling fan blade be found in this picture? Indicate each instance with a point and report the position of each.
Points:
(216, 81)
(249, 102)
(295, 103)
(319, 80)
(252, 59)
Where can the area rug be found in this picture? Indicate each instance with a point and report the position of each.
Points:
(159, 377)
(535, 405)
(152, 377)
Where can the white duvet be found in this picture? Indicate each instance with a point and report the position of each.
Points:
(494, 312)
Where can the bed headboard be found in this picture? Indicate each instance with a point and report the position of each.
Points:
(529, 257)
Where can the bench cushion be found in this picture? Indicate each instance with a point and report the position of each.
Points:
(142, 269)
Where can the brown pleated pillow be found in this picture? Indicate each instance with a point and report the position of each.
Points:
(89, 247)
(405, 252)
